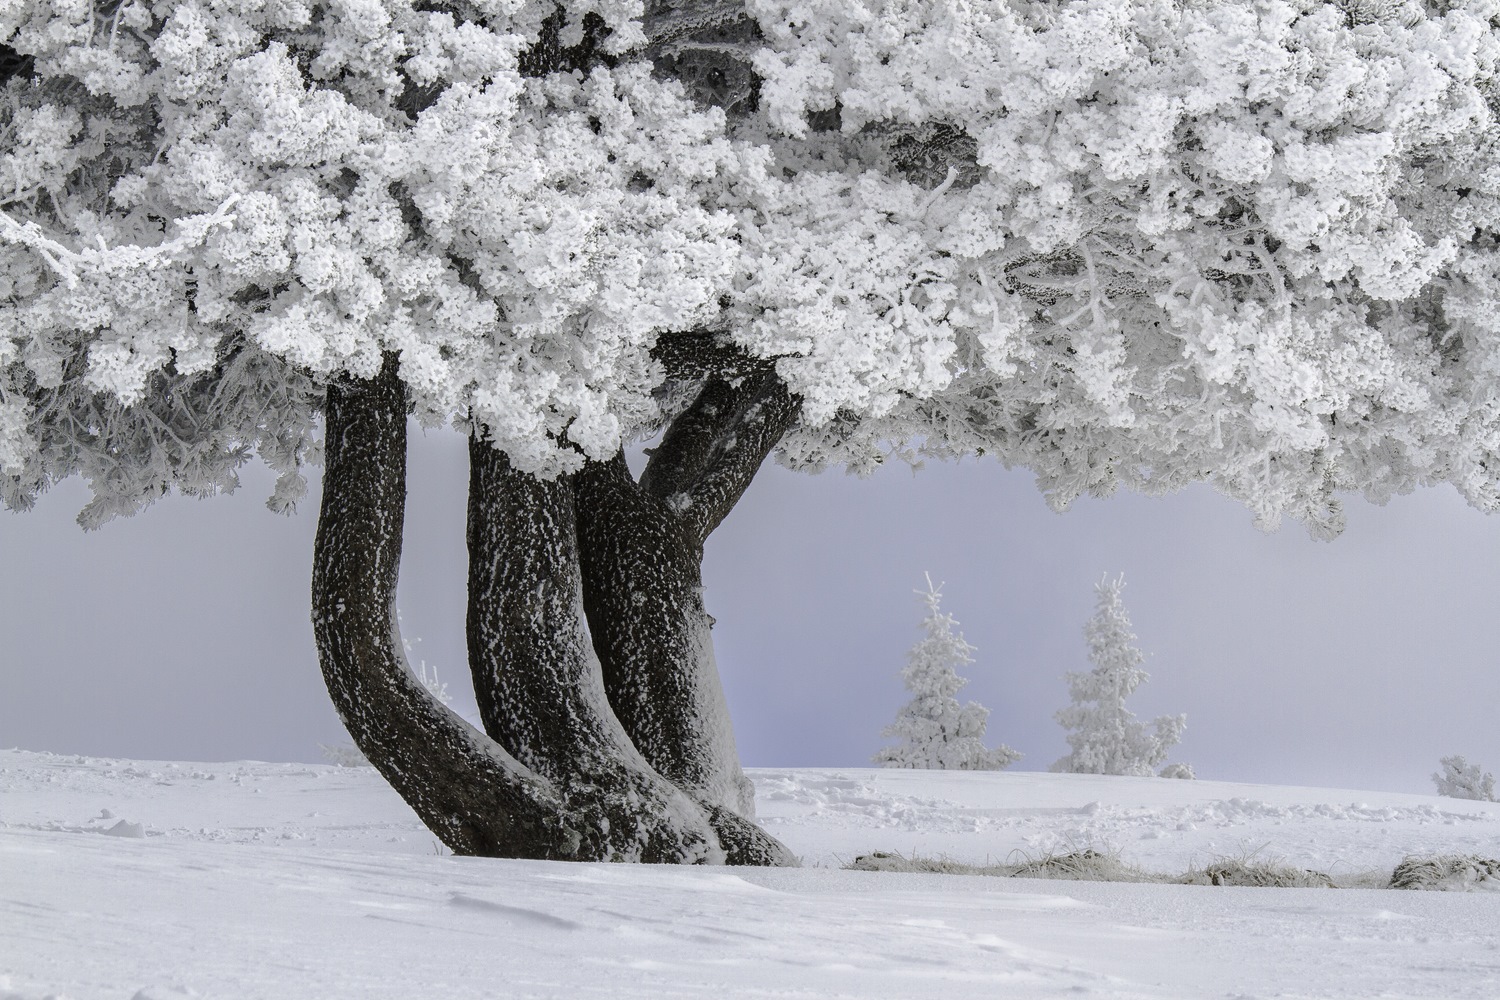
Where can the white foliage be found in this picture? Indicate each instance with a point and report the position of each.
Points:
(1106, 737)
(1461, 780)
(1139, 243)
(934, 729)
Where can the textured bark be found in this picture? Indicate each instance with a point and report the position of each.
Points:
(642, 554)
(713, 450)
(476, 798)
(538, 680)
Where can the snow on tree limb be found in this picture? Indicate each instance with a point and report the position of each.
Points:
(1255, 242)
(99, 261)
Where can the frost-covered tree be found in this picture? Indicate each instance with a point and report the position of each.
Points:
(1134, 242)
(1461, 780)
(1106, 737)
(934, 729)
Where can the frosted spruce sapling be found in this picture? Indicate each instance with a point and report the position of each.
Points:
(1105, 736)
(934, 730)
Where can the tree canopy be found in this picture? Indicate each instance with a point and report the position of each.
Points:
(1114, 242)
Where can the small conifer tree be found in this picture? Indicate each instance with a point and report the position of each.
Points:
(1106, 737)
(935, 731)
(1462, 780)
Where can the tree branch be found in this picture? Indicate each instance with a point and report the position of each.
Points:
(714, 448)
(666, 23)
(677, 463)
(698, 354)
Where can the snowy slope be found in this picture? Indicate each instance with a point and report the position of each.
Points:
(298, 882)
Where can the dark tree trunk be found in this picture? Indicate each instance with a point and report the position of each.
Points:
(468, 791)
(559, 775)
(642, 554)
(536, 675)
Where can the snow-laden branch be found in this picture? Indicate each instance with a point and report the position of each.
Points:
(67, 263)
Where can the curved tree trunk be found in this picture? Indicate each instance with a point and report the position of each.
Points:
(642, 554)
(468, 791)
(537, 678)
(561, 778)
(644, 601)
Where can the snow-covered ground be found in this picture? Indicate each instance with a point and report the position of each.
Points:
(148, 881)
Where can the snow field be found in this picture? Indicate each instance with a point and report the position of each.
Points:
(298, 882)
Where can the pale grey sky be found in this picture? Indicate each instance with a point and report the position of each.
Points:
(183, 633)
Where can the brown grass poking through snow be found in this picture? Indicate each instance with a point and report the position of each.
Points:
(1451, 872)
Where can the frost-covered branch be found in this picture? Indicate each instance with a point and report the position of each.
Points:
(68, 263)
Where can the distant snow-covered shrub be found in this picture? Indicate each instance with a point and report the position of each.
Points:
(1091, 865)
(1462, 780)
(890, 861)
(1087, 865)
(935, 730)
(427, 675)
(1264, 874)
(1178, 771)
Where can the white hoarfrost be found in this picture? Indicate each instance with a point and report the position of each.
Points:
(934, 730)
(1106, 737)
(1119, 243)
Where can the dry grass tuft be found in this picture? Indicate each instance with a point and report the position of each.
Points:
(1084, 866)
(1446, 872)
(1450, 872)
(1268, 874)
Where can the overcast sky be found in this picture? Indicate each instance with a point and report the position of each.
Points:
(183, 633)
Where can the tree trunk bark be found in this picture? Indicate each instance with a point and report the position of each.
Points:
(642, 555)
(538, 680)
(470, 793)
(559, 776)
